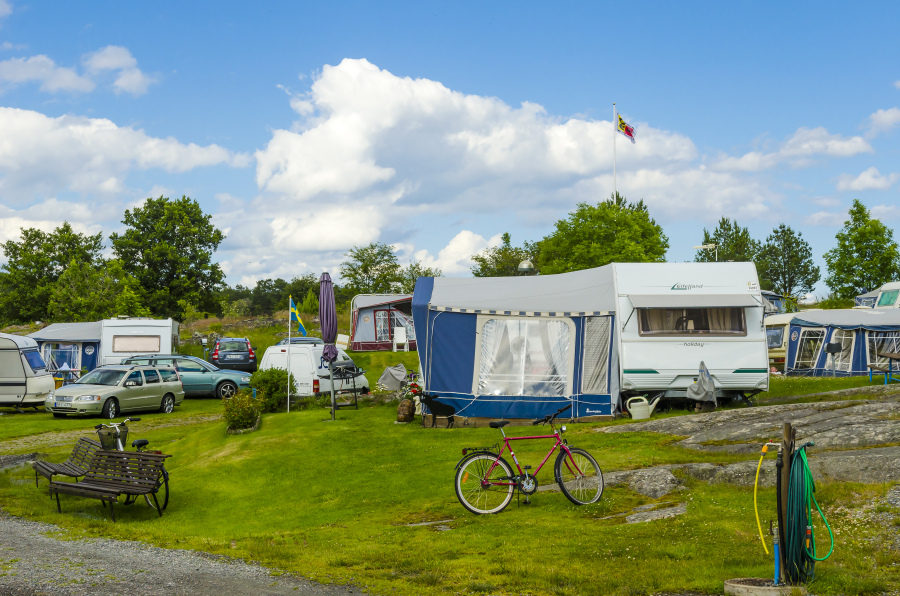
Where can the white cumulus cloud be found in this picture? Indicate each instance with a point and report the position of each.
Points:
(40, 155)
(129, 77)
(5, 8)
(798, 150)
(883, 120)
(456, 257)
(871, 179)
(42, 69)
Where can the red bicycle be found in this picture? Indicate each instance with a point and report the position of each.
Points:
(485, 483)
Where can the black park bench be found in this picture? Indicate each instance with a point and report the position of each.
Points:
(75, 466)
(114, 473)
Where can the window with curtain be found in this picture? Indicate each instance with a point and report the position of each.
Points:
(880, 342)
(843, 359)
(596, 355)
(808, 348)
(382, 326)
(57, 354)
(692, 321)
(400, 319)
(524, 357)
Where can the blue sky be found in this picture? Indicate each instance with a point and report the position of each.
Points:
(305, 128)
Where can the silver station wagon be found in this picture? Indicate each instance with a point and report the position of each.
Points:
(109, 390)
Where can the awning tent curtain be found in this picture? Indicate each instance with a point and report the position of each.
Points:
(524, 357)
(807, 356)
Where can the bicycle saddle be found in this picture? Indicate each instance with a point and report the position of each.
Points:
(140, 443)
(500, 424)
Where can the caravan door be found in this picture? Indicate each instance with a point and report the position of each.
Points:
(12, 373)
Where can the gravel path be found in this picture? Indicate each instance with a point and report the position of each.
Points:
(33, 562)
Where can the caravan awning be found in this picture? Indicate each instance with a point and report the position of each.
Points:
(692, 300)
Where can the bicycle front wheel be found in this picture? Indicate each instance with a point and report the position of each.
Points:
(484, 483)
(579, 476)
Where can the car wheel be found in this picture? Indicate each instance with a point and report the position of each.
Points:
(167, 405)
(226, 390)
(110, 409)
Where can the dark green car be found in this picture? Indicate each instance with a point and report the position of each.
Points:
(200, 378)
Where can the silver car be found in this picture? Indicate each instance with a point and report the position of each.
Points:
(109, 390)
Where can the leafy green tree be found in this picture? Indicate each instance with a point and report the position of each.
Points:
(300, 286)
(168, 247)
(596, 235)
(865, 258)
(503, 260)
(785, 263)
(35, 263)
(88, 292)
(310, 304)
(269, 296)
(734, 243)
(407, 276)
(371, 269)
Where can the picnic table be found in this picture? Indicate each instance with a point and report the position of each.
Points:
(888, 372)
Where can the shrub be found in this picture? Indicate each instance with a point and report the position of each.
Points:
(216, 327)
(271, 387)
(241, 411)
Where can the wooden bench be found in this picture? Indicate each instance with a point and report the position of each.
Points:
(114, 473)
(75, 466)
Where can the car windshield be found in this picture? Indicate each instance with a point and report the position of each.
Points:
(233, 346)
(102, 377)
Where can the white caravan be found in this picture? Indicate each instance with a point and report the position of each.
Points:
(672, 316)
(24, 378)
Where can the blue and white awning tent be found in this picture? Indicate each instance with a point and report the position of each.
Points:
(862, 333)
(74, 346)
(519, 347)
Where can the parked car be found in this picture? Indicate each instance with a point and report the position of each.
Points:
(200, 378)
(110, 390)
(234, 353)
(310, 372)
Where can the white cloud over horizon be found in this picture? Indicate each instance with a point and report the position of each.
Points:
(870, 179)
(797, 151)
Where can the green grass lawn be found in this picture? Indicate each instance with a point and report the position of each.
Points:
(331, 500)
(14, 424)
(781, 388)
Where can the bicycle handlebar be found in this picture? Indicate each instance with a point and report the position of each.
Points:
(550, 417)
(116, 424)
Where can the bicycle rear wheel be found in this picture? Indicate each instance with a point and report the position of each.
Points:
(579, 476)
(478, 483)
(163, 494)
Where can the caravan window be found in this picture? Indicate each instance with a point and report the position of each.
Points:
(844, 358)
(692, 321)
(808, 349)
(524, 357)
(882, 342)
(136, 343)
(34, 360)
(774, 337)
(888, 298)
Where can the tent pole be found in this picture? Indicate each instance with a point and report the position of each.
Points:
(290, 304)
(331, 374)
(615, 126)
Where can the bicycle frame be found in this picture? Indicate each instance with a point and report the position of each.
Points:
(506, 445)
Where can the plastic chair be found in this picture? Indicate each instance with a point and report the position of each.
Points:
(400, 338)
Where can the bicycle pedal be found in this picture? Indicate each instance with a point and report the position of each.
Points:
(526, 467)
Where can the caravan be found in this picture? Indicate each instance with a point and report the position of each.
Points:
(522, 347)
(24, 378)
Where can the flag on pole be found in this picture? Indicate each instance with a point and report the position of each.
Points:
(624, 128)
(295, 316)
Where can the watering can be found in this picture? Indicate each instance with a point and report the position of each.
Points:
(641, 410)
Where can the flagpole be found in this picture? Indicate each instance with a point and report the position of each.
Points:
(615, 129)
(290, 302)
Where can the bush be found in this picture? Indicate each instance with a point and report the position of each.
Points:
(216, 327)
(241, 411)
(271, 388)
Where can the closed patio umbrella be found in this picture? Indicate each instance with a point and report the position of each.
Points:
(328, 321)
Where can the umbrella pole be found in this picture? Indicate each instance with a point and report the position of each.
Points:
(331, 374)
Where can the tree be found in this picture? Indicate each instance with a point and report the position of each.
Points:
(503, 260)
(310, 305)
(785, 263)
(865, 257)
(35, 263)
(168, 247)
(612, 231)
(268, 296)
(734, 243)
(88, 292)
(407, 276)
(371, 269)
(300, 286)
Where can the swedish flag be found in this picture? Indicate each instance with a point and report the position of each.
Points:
(295, 316)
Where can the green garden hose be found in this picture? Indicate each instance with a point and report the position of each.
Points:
(800, 537)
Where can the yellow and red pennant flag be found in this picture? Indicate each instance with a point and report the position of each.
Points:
(624, 128)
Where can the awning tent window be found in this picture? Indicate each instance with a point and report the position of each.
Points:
(596, 355)
(399, 319)
(60, 355)
(842, 360)
(692, 321)
(881, 342)
(808, 350)
(527, 357)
